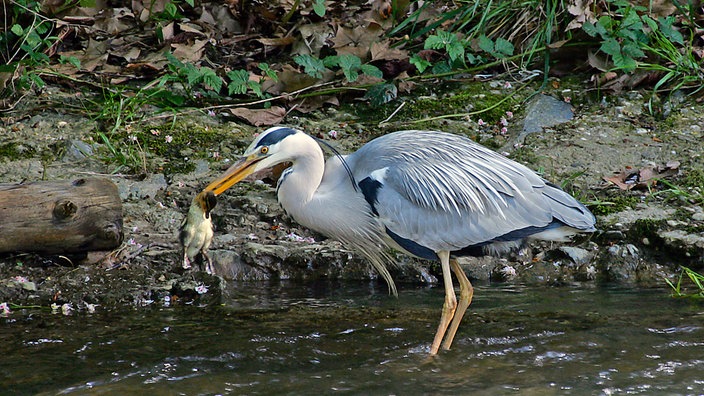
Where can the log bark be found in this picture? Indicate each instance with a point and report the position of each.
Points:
(60, 217)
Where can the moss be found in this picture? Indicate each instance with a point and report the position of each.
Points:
(646, 228)
(15, 151)
(429, 100)
(466, 101)
(693, 178)
(525, 155)
(614, 204)
(175, 146)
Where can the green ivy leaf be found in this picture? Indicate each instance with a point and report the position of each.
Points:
(313, 67)
(611, 47)
(239, 80)
(372, 71)
(319, 8)
(17, 30)
(420, 63)
(503, 47)
(486, 44)
(670, 32)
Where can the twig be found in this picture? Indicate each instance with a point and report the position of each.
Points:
(392, 114)
(243, 104)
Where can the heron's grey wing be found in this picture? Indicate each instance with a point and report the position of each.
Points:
(446, 192)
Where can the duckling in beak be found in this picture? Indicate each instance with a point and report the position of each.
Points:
(196, 231)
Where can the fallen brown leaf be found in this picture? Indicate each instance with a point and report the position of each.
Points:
(642, 178)
(383, 51)
(259, 117)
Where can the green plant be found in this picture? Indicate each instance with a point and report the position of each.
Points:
(115, 112)
(129, 157)
(350, 66)
(206, 81)
(459, 51)
(621, 33)
(697, 280)
(677, 61)
(23, 45)
(675, 192)
(634, 40)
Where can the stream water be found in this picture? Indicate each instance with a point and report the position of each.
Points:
(355, 339)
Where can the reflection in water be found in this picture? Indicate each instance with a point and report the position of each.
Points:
(354, 338)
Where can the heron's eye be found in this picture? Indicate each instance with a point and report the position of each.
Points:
(264, 150)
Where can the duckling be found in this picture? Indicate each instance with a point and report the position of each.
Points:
(196, 231)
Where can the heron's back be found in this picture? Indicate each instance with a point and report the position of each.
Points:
(446, 192)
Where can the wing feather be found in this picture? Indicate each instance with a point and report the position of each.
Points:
(447, 192)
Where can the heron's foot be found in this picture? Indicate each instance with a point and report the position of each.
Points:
(448, 312)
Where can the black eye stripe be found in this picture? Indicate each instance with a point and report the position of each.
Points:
(275, 136)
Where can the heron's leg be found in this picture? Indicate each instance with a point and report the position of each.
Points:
(448, 308)
(466, 293)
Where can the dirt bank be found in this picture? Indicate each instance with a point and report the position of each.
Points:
(643, 235)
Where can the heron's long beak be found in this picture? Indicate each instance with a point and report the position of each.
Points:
(238, 171)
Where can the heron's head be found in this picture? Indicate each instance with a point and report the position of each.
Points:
(271, 147)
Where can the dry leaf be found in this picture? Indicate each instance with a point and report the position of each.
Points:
(314, 38)
(357, 41)
(582, 11)
(189, 52)
(276, 42)
(383, 51)
(645, 177)
(261, 117)
(307, 105)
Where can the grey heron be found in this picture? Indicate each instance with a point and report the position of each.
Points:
(433, 195)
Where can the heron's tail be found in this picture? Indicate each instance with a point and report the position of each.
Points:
(569, 210)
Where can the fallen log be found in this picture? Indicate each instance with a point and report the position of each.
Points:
(60, 217)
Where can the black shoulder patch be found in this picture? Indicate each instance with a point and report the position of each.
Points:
(275, 136)
(370, 189)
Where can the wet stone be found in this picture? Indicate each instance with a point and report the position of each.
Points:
(544, 111)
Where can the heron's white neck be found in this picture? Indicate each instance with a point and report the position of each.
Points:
(300, 182)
